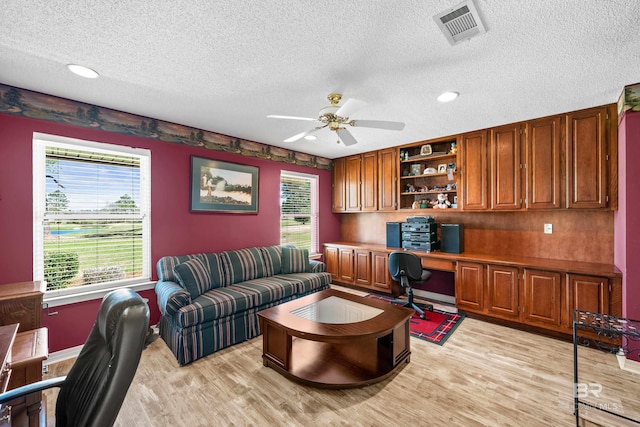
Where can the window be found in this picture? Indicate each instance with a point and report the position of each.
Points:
(91, 210)
(299, 210)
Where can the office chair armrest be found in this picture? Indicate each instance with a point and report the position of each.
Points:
(31, 388)
(426, 274)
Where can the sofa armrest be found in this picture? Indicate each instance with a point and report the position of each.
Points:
(171, 297)
(317, 266)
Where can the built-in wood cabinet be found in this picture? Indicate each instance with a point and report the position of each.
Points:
(542, 166)
(470, 286)
(338, 185)
(502, 293)
(586, 154)
(346, 265)
(353, 183)
(362, 267)
(474, 171)
(543, 298)
(380, 278)
(589, 293)
(505, 167)
(388, 179)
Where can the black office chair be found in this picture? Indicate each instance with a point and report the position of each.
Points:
(93, 391)
(406, 267)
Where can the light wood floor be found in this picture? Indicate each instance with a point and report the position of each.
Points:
(484, 375)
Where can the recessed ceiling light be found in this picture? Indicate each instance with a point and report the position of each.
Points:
(83, 71)
(310, 137)
(448, 96)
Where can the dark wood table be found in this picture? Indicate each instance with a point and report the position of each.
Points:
(335, 355)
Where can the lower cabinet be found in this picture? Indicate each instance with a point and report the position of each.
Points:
(540, 298)
(358, 267)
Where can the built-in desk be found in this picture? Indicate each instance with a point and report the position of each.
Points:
(536, 292)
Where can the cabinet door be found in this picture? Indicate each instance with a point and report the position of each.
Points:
(586, 157)
(469, 286)
(369, 186)
(352, 183)
(387, 179)
(345, 265)
(502, 291)
(543, 163)
(505, 168)
(381, 279)
(473, 169)
(332, 261)
(338, 184)
(362, 270)
(542, 298)
(589, 293)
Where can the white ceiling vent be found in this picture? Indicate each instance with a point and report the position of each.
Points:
(460, 23)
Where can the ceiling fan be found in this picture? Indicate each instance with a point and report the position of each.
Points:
(335, 117)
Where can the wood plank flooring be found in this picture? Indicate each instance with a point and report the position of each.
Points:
(484, 375)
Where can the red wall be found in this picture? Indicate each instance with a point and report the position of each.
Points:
(174, 230)
(626, 224)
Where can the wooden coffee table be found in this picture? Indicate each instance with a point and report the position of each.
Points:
(335, 339)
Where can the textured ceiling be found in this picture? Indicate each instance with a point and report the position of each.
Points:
(223, 66)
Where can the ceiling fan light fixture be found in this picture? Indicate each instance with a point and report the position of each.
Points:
(83, 71)
(310, 137)
(448, 96)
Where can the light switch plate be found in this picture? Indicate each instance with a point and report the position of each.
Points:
(548, 228)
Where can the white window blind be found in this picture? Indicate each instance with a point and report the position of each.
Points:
(299, 210)
(91, 214)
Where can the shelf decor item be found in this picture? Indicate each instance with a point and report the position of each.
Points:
(416, 169)
(218, 186)
(426, 150)
(442, 168)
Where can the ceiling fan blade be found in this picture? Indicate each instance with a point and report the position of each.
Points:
(275, 116)
(378, 124)
(349, 107)
(346, 137)
(301, 135)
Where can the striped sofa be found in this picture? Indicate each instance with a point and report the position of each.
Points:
(210, 301)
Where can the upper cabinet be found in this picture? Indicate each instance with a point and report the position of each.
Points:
(357, 180)
(474, 171)
(586, 158)
(566, 161)
(338, 184)
(388, 179)
(542, 166)
(505, 177)
(427, 169)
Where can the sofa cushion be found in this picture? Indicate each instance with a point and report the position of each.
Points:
(166, 264)
(241, 265)
(307, 282)
(270, 289)
(217, 303)
(272, 260)
(294, 260)
(212, 262)
(194, 276)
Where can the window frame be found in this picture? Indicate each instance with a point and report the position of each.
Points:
(315, 209)
(64, 296)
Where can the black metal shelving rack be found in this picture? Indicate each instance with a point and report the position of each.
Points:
(611, 334)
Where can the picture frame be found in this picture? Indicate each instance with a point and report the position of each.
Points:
(416, 169)
(224, 187)
(426, 150)
(442, 168)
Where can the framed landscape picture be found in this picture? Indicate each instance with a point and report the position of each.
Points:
(218, 186)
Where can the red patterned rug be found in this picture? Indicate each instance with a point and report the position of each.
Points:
(436, 328)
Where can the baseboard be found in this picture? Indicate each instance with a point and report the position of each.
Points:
(432, 296)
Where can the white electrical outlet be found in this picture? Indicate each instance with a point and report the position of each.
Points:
(548, 228)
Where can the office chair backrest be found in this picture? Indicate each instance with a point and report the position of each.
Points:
(406, 262)
(100, 377)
